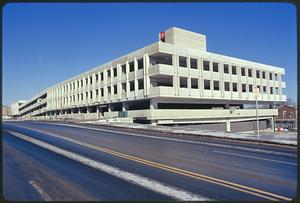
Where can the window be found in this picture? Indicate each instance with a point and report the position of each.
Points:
(183, 82)
(226, 68)
(77, 84)
(141, 84)
(264, 89)
(215, 67)
(108, 90)
(216, 85)
(271, 90)
(97, 92)
(140, 63)
(257, 74)
(102, 92)
(193, 63)
(243, 71)
(108, 73)
(91, 94)
(264, 75)
(250, 88)
(115, 89)
(207, 84)
(276, 77)
(271, 76)
(124, 87)
(86, 95)
(206, 65)
(131, 66)
(284, 114)
(250, 73)
(227, 86)
(258, 87)
(115, 72)
(131, 86)
(91, 79)
(123, 69)
(243, 87)
(233, 70)
(81, 83)
(234, 87)
(97, 77)
(101, 76)
(194, 83)
(182, 61)
(86, 81)
(276, 90)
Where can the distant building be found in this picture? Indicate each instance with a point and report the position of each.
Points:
(15, 108)
(287, 117)
(6, 111)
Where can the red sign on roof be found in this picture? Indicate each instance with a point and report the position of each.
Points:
(162, 36)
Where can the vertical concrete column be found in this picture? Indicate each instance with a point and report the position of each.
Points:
(238, 70)
(201, 79)
(111, 84)
(211, 78)
(273, 124)
(124, 106)
(175, 76)
(153, 104)
(135, 77)
(228, 127)
(280, 85)
(127, 79)
(146, 61)
(189, 74)
(97, 111)
(221, 72)
(105, 84)
(119, 76)
(109, 107)
(268, 84)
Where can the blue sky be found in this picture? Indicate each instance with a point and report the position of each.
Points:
(46, 43)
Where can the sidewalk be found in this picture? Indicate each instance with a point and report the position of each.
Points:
(285, 138)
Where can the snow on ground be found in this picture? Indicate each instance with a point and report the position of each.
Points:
(289, 138)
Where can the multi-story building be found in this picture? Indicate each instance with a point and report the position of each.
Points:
(15, 108)
(286, 118)
(174, 80)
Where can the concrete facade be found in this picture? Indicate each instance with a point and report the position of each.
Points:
(15, 108)
(174, 80)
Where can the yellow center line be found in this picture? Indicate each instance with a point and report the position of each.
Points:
(228, 184)
(224, 183)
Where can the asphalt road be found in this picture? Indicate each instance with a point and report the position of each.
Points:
(51, 161)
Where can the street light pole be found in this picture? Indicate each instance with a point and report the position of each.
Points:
(256, 91)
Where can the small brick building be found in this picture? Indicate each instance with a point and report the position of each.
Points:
(287, 117)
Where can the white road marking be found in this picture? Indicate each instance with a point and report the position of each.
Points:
(183, 141)
(153, 185)
(254, 157)
(44, 195)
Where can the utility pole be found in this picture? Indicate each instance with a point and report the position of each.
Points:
(256, 92)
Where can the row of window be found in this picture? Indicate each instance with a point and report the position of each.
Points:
(226, 68)
(97, 92)
(228, 86)
(99, 76)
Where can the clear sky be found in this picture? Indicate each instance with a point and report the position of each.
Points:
(46, 43)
